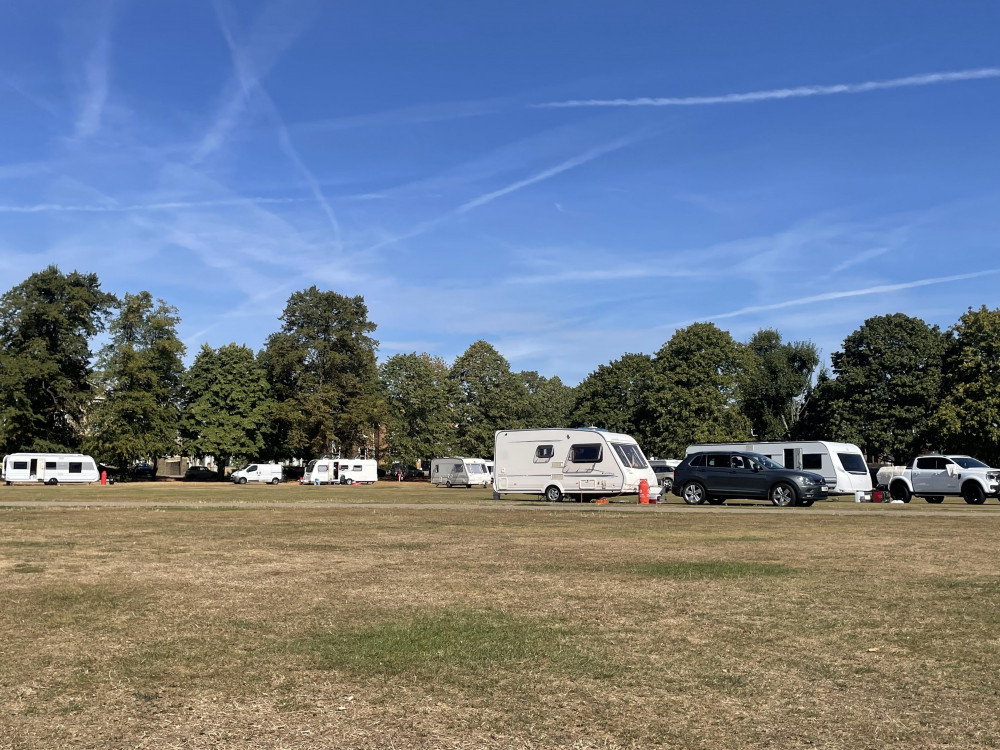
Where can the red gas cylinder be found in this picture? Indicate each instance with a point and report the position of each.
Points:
(643, 492)
(104, 477)
(877, 496)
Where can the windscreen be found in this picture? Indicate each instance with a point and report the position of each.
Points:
(476, 469)
(853, 463)
(968, 463)
(630, 455)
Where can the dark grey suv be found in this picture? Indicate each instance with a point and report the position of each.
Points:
(716, 476)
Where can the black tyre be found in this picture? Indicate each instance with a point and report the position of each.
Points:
(936, 500)
(715, 500)
(243, 480)
(448, 484)
(973, 494)
(900, 491)
(553, 494)
(782, 495)
(694, 493)
(52, 482)
(274, 480)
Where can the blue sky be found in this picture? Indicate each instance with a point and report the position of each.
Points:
(568, 180)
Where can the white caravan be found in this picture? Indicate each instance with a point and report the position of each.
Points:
(266, 473)
(455, 471)
(579, 463)
(50, 468)
(842, 465)
(341, 471)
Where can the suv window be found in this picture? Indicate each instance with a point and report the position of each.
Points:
(737, 462)
(717, 460)
(698, 460)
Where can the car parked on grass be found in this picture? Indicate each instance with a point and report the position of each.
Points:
(201, 474)
(935, 477)
(717, 476)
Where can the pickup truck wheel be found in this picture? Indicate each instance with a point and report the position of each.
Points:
(973, 494)
(782, 495)
(553, 494)
(900, 491)
(936, 500)
(693, 493)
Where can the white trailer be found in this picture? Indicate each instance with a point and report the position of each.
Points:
(50, 468)
(842, 465)
(341, 471)
(457, 471)
(581, 463)
(264, 473)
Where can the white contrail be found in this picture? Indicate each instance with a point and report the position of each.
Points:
(95, 72)
(826, 297)
(39, 208)
(791, 93)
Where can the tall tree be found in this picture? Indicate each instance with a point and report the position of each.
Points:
(617, 397)
(323, 374)
(695, 389)
(775, 381)
(490, 397)
(420, 407)
(887, 385)
(140, 372)
(968, 417)
(46, 324)
(549, 401)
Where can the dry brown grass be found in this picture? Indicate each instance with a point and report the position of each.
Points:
(556, 627)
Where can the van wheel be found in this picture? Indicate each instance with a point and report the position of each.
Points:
(973, 494)
(936, 500)
(900, 491)
(693, 493)
(243, 480)
(553, 494)
(52, 482)
(782, 495)
(274, 480)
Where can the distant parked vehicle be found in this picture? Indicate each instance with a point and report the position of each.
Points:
(341, 471)
(664, 470)
(456, 471)
(716, 476)
(201, 474)
(50, 468)
(409, 471)
(264, 473)
(935, 477)
(143, 472)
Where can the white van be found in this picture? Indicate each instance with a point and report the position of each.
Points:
(842, 465)
(341, 471)
(580, 463)
(266, 473)
(50, 468)
(456, 471)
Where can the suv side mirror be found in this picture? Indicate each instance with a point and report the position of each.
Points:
(758, 467)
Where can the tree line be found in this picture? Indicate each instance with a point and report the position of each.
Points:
(896, 387)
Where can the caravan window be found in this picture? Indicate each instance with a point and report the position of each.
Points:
(630, 455)
(357, 468)
(311, 465)
(21, 465)
(544, 451)
(321, 469)
(852, 463)
(476, 469)
(456, 468)
(812, 461)
(590, 453)
(75, 467)
(50, 464)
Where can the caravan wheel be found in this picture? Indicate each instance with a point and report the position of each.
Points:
(447, 483)
(553, 494)
(52, 482)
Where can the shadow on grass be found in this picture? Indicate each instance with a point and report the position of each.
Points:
(708, 570)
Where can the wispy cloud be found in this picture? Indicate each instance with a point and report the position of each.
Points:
(797, 92)
(96, 74)
(39, 208)
(860, 258)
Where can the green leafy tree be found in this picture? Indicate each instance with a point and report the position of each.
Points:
(695, 389)
(886, 387)
(549, 401)
(140, 373)
(490, 398)
(227, 406)
(46, 324)
(617, 397)
(322, 370)
(775, 382)
(420, 407)
(968, 417)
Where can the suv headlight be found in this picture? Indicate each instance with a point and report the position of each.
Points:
(807, 480)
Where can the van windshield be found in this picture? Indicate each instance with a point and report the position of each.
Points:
(853, 463)
(630, 455)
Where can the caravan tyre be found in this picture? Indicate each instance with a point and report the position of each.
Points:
(693, 493)
(447, 483)
(274, 480)
(52, 482)
(553, 494)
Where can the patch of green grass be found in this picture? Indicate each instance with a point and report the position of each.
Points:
(445, 644)
(708, 570)
(34, 545)
(27, 568)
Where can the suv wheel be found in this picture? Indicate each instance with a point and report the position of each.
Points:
(782, 495)
(694, 493)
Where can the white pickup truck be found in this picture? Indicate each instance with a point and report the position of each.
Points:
(935, 477)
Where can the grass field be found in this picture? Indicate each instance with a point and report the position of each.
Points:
(208, 619)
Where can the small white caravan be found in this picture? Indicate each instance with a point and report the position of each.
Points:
(842, 465)
(456, 471)
(582, 463)
(265, 473)
(50, 468)
(341, 471)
